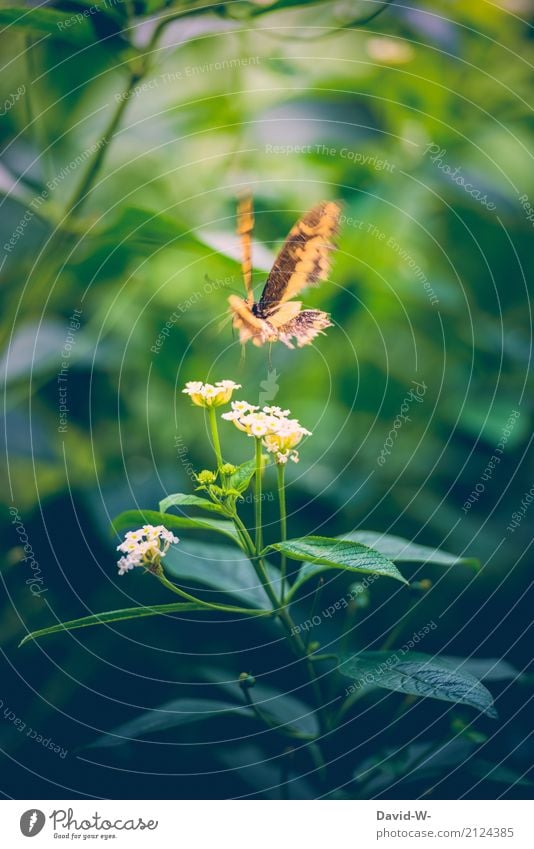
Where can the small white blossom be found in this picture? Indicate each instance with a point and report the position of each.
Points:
(276, 411)
(144, 547)
(208, 394)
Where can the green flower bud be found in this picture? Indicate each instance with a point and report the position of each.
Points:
(246, 680)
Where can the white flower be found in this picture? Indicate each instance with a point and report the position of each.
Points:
(244, 407)
(276, 411)
(279, 433)
(125, 564)
(209, 395)
(143, 547)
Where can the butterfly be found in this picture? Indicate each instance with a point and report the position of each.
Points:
(304, 260)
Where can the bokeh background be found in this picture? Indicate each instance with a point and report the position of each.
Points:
(122, 159)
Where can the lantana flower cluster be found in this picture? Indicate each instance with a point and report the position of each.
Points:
(144, 547)
(210, 395)
(279, 433)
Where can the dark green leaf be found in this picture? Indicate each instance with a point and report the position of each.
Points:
(402, 550)
(142, 228)
(180, 499)
(326, 553)
(418, 675)
(171, 715)
(414, 762)
(221, 568)
(487, 771)
(138, 518)
(112, 616)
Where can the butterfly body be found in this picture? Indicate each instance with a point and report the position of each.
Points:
(303, 261)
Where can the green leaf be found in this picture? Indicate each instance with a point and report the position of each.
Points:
(58, 25)
(112, 616)
(170, 715)
(412, 762)
(418, 675)
(326, 553)
(402, 550)
(487, 771)
(138, 518)
(221, 568)
(180, 499)
(117, 11)
(242, 476)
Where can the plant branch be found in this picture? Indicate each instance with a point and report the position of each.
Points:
(257, 497)
(225, 608)
(280, 473)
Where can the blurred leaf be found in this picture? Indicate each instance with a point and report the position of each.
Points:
(141, 228)
(325, 553)
(170, 715)
(420, 675)
(242, 477)
(112, 616)
(138, 518)
(51, 22)
(402, 550)
(412, 763)
(229, 246)
(36, 348)
(485, 669)
(286, 708)
(487, 771)
(118, 10)
(221, 568)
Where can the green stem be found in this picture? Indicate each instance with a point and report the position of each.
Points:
(257, 497)
(280, 473)
(215, 435)
(281, 610)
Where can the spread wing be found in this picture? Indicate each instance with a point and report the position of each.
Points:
(304, 327)
(305, 257)
(245, 225)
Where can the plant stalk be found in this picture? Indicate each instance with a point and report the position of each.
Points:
(215, 436)
(257, 497)
(224, 608)
(280, 473)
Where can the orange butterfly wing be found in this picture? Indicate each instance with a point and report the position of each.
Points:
(304, 259)
(245, 226)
